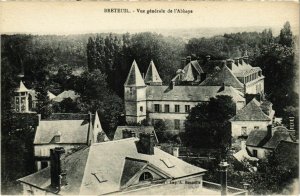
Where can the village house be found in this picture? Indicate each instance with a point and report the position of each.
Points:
(262, 142)
(70, 131)
(126, 166)
(253, 116)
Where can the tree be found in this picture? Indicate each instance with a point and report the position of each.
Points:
(43, 106)
(208, 126)
(286, 36)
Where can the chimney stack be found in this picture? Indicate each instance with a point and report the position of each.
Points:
(57, 176)
(223, 169)
(188, 59)
(128, 133)
(176, 151)
(229, 63)
(241, 60)
(146, 143)
(269, 131)
(243, 144)
(236, 61)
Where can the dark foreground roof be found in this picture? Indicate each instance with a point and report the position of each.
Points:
(107, 159)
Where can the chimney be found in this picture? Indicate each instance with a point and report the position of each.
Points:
(292, 123)
(183, 62)
(229, 63)
(241, 61)
(243, 144)
(176, 151)
(223, 170)
(236, 61)
(128, 133)
(188, 59)
(269, 131)
(143, 75)
(57, 137)
(246, 57)
(207, 58)
(146, 143)
(55, 168)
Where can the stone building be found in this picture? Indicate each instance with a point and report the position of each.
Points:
(148, 99)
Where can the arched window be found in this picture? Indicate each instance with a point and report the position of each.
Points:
(146, 176)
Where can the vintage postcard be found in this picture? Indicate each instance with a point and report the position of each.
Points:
(149, 98)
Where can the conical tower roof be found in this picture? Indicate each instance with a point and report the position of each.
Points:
(22, 88)
(152, 74)
(134, 77)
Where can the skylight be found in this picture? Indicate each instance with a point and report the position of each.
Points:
(99, 176)
(168, 163)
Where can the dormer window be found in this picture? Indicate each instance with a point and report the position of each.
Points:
(146, 176)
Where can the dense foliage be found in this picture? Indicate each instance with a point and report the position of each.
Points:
(208, 126)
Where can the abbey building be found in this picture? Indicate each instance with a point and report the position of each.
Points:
(148, 99)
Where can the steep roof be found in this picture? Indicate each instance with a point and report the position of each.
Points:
(251, 112)
(224, 75)
(21, 88)
(70, 131)
(134, 77)
(66, 94)
(32, 92)
(257, 138)
(260, 138)
(190, 93)
(108, 160)
(152, 74)
(136, 129)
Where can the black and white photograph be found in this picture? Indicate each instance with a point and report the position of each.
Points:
(149, 97)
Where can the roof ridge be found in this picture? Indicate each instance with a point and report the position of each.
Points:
(115, 141)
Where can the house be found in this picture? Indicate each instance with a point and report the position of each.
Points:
(114, 167)
(66, 94)
(253, 116)
(261, 142)
(123, 132)
(70, 131)
(147, 99)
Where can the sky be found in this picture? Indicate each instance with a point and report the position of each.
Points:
(89, 17)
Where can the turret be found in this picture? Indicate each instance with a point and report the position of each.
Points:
(21, 98)
(152, 76)
(135, 96)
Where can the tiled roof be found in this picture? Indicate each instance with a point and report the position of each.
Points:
(224, 75)
(21, 88)
(251, 112)
(279, 134)
(257, 138)
(190, 73)
(134, 77)
(136, 129)
(108, 160)
(70, 131)
(190, 93)
(152, 74)
(260, 138)
(66, 94)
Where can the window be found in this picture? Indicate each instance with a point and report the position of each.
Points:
(256, 127)
(131, 90)
(156, 108)
(177, 124)
(167, 108)
(146, 176)
(255, 153)
(141, 108)
(187, 108)
(244, 130)
(177, 108)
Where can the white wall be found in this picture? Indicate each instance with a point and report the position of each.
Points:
(236, 126)
(261, 152)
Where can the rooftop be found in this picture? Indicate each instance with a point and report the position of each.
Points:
(83, 165)
(66, 94)
(152, 74)
(134, 77)
(136, 129)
